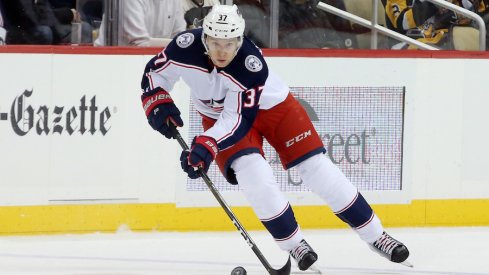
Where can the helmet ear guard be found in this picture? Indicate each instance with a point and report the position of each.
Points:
(223, 22)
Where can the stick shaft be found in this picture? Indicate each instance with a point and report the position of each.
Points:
(227, 209)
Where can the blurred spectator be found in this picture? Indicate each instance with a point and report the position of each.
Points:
(92, 11)
(36, 22)
(428, 23)
(480, 7)
(3, 32)
(257, 16)
(28, 22)
(302, 25)
(420, 20)
(403, 15)
(195, 11)
(66, 12)
(148, 23)
(89, 10)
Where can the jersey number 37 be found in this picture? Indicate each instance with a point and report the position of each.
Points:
(251, 97)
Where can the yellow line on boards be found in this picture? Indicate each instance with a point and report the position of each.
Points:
(62, 219)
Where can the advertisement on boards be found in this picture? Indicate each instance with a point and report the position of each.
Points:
(362, 131)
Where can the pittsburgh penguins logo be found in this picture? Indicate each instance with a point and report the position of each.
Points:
(253, 63)
(185, 40)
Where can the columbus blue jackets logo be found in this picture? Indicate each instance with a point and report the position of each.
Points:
(216, 105)
(253, 63)
(185, 40)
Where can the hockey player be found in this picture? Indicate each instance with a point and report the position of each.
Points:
(241, 102)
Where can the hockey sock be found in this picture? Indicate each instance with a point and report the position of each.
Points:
(255, 177)
(326, 180)
(360, 216)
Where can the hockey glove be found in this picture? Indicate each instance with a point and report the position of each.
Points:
(187, 168)
(160, 110)
(202, 152)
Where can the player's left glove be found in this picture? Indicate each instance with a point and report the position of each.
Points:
(202, 152)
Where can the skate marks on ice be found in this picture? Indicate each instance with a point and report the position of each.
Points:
(23, 264)
(77, 265)
(336, 270)
(434, 251)
(253, 269)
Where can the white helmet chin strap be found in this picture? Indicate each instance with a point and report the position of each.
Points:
(205, 43)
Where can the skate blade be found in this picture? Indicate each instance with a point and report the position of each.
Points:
(312, 270)
(408, 264)
(315, 270)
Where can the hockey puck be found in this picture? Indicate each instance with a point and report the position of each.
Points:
(239, 270)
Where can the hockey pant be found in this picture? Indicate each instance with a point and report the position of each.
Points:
(255, 176)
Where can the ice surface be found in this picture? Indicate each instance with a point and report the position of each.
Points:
(434, 251)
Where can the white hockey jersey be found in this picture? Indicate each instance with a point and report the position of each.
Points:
(231, 95)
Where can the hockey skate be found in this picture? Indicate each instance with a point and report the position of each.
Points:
(304, 255)
(392, 249)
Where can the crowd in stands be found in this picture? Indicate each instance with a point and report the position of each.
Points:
(425, 22)
(147, 23)
(3, 32)
(42, 21)
(301, 24)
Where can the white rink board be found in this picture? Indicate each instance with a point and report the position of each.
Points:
(445, 126)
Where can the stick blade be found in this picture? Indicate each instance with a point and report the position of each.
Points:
(285, 270)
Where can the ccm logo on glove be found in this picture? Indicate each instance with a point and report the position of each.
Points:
(211, 145)
(203, 149)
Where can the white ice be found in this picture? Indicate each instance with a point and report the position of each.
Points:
(434, 251)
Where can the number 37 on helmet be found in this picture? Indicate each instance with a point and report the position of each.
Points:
(224, 22)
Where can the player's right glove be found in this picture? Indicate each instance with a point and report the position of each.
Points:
(202, 152)
(160, 110)
(186, 167)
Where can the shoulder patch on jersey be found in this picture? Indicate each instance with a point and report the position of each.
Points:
(185, 40)
(253, 63)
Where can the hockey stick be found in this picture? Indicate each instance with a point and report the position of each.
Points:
(285, 270)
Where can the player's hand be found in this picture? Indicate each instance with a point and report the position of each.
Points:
(186, 167)
(160, 111)
(202, 152)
